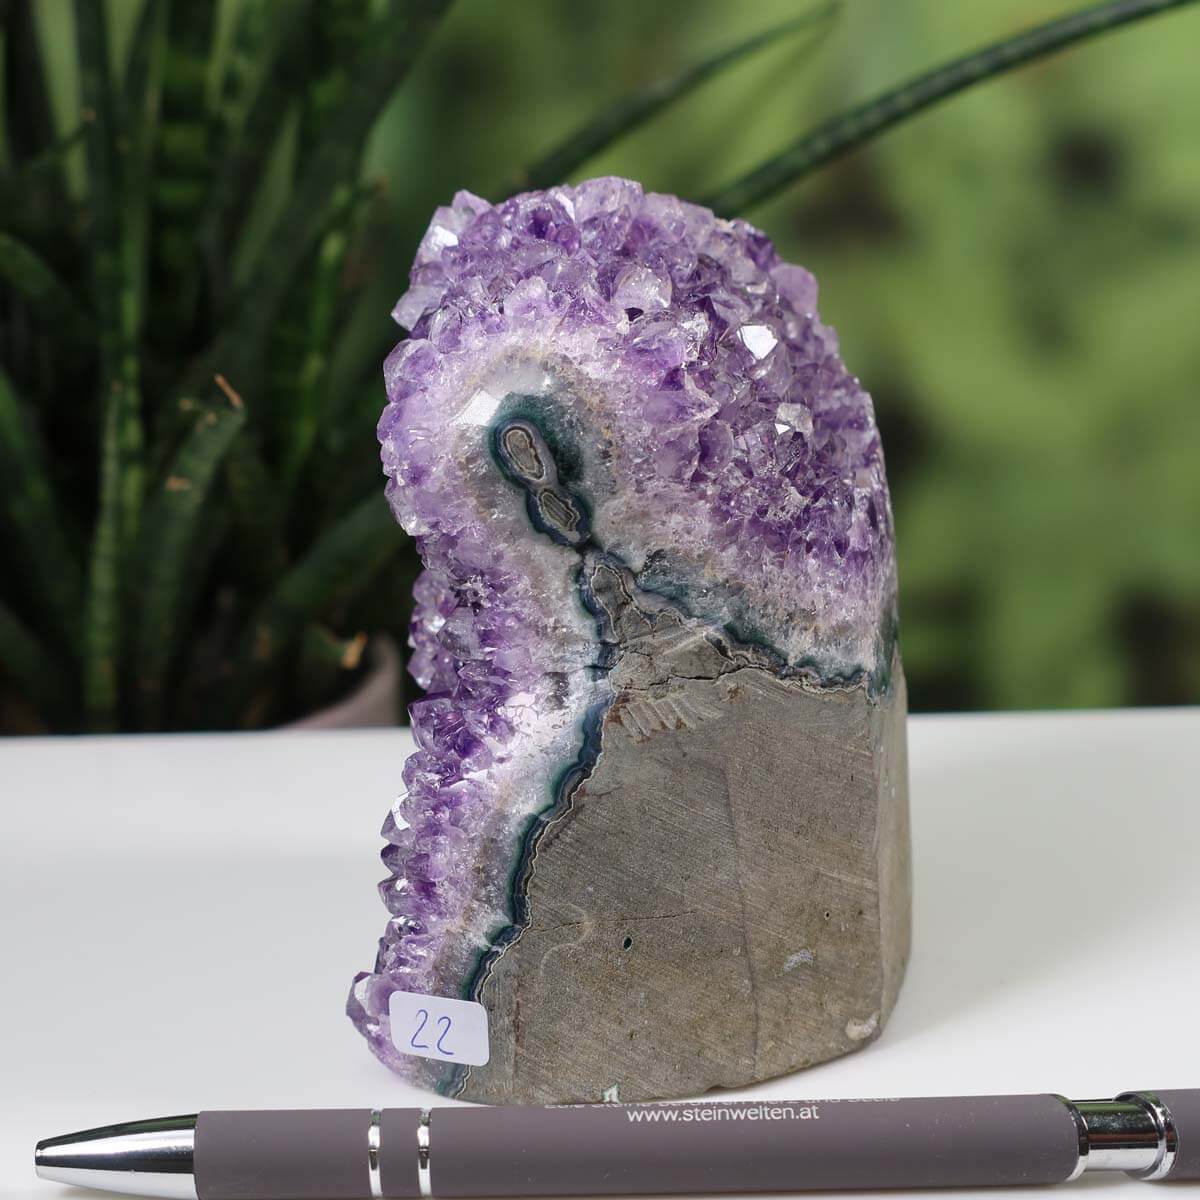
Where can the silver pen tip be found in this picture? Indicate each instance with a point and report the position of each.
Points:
(143, 1158)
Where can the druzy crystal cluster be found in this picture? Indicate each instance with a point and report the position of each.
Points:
(702, 434)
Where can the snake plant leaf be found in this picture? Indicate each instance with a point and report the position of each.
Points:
(29, 124)
(172, 521)
(183, 166)
(255, 516)
(34, 201)
(252, 28)
(393, 44)
(309, 391)
(34, 523)
(148, 37)
(258, 537)
(29, 276)
(302, 342)
(102, 611)
(339, 34)
(250, 108)
(104, 182)
(324, 661)
(29, 667)
(30, 193)
(320, 320)
(209, 629)
(344, 558)
(246, 137)
(116, 304)
(51, 158)
(634, 110)
(141, 103)
(861, 124)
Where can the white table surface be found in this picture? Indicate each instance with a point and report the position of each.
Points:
(180, 918)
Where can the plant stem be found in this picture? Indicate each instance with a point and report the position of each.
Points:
(859, 125)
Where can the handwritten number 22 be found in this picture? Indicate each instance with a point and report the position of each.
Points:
(423, 1014)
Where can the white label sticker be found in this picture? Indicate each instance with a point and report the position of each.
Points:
(453, 1031)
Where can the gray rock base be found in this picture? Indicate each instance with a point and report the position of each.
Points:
(724, 899)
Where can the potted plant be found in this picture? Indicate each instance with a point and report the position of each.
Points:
(191, 521)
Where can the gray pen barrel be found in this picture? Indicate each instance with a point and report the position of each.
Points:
(1183, 1105)
(305, 1154)
(768, 1146)
(702, 1147)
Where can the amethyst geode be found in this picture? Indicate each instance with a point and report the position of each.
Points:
(659, 790)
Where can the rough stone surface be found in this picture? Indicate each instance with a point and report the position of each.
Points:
(657, 632)
(725, 898)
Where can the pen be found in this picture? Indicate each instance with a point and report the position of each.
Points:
(612, 1149)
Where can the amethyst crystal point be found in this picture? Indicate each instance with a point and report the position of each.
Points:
(656, 821)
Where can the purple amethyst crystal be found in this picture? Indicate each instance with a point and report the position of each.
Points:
(596, 375)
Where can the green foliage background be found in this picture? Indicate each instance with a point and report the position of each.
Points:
(1015, 276)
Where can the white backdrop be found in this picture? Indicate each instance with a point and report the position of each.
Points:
(180, 919)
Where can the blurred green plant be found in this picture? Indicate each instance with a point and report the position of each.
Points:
(191, 539)
(192, 522)
(172, 542)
